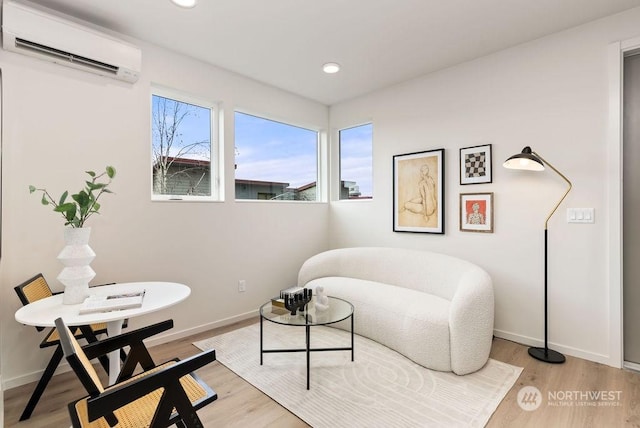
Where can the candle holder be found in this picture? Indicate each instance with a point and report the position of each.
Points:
(297, 301)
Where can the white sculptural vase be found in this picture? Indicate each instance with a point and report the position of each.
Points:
(76, 257)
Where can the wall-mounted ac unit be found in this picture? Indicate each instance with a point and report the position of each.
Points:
(50, 37)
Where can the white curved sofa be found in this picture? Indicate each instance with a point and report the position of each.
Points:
(435, 309)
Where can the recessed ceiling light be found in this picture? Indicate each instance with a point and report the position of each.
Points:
(185, 3)
(331, 67)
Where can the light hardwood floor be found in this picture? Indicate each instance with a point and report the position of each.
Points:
(241, 405)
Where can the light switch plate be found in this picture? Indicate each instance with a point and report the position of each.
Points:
(580, 215)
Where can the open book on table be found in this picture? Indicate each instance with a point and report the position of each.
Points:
(113, 302)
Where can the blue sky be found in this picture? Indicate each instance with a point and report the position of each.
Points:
(273, 151)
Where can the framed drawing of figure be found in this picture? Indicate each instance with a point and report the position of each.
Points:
(476, 212)
(418, 192)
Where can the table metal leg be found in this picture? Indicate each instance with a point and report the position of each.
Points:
(308, 334)
(114, 328)
(307, 349)
(352, 347)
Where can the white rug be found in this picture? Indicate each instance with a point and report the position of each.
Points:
(381, 388)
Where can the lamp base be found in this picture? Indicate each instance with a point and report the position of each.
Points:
(547, 355)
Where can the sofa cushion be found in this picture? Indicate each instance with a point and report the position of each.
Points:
(414, 323)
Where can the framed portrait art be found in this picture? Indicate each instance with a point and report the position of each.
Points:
(418, 192)
(476, 212)
(475, 164)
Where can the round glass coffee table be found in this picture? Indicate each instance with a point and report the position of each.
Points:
(339, 310)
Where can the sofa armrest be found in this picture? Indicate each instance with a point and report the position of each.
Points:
(471, 322)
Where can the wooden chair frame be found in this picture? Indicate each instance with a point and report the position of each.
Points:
(87, 332)
(174, 406)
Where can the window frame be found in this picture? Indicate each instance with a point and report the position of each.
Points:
(320, 152)
(339, 169)
(216, 163)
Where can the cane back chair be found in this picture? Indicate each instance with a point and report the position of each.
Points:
(35, 289)
(159, 396)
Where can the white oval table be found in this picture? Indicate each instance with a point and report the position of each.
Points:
(158, 295)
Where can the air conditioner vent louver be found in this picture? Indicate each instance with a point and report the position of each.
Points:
(66, 56)
(46, 34)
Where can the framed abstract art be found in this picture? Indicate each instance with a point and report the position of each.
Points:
(475, 164)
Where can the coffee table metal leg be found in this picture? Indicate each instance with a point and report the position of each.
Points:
(308, 334)
(351, 336)
(260, 340)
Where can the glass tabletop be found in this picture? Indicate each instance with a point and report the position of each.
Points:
(338, 310)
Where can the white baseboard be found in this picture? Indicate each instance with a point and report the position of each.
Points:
(567, 350)
(175, 335)
(33, 376)
(631, 366)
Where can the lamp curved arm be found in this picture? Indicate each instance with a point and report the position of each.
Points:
(565, 193)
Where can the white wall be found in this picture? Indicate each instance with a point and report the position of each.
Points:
(550, 94)
(59, 122)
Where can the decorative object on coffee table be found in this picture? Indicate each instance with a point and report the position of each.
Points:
(322, 301)
(297, 301)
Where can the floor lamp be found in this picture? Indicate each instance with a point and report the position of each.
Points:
(531, 161)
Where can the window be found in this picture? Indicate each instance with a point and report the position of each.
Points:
(182, 146)
(275, 161)
(356, 162)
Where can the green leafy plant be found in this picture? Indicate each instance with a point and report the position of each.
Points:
(82, 204)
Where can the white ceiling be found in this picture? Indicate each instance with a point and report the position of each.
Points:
(378, 42)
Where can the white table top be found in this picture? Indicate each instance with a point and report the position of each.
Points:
(158, 295)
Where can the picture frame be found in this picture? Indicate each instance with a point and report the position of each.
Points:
(476, 165)
(418, 192)
(476, 212)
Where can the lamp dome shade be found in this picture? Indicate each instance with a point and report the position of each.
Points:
(526, 160)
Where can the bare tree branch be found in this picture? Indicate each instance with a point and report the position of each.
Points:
(168, 145)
